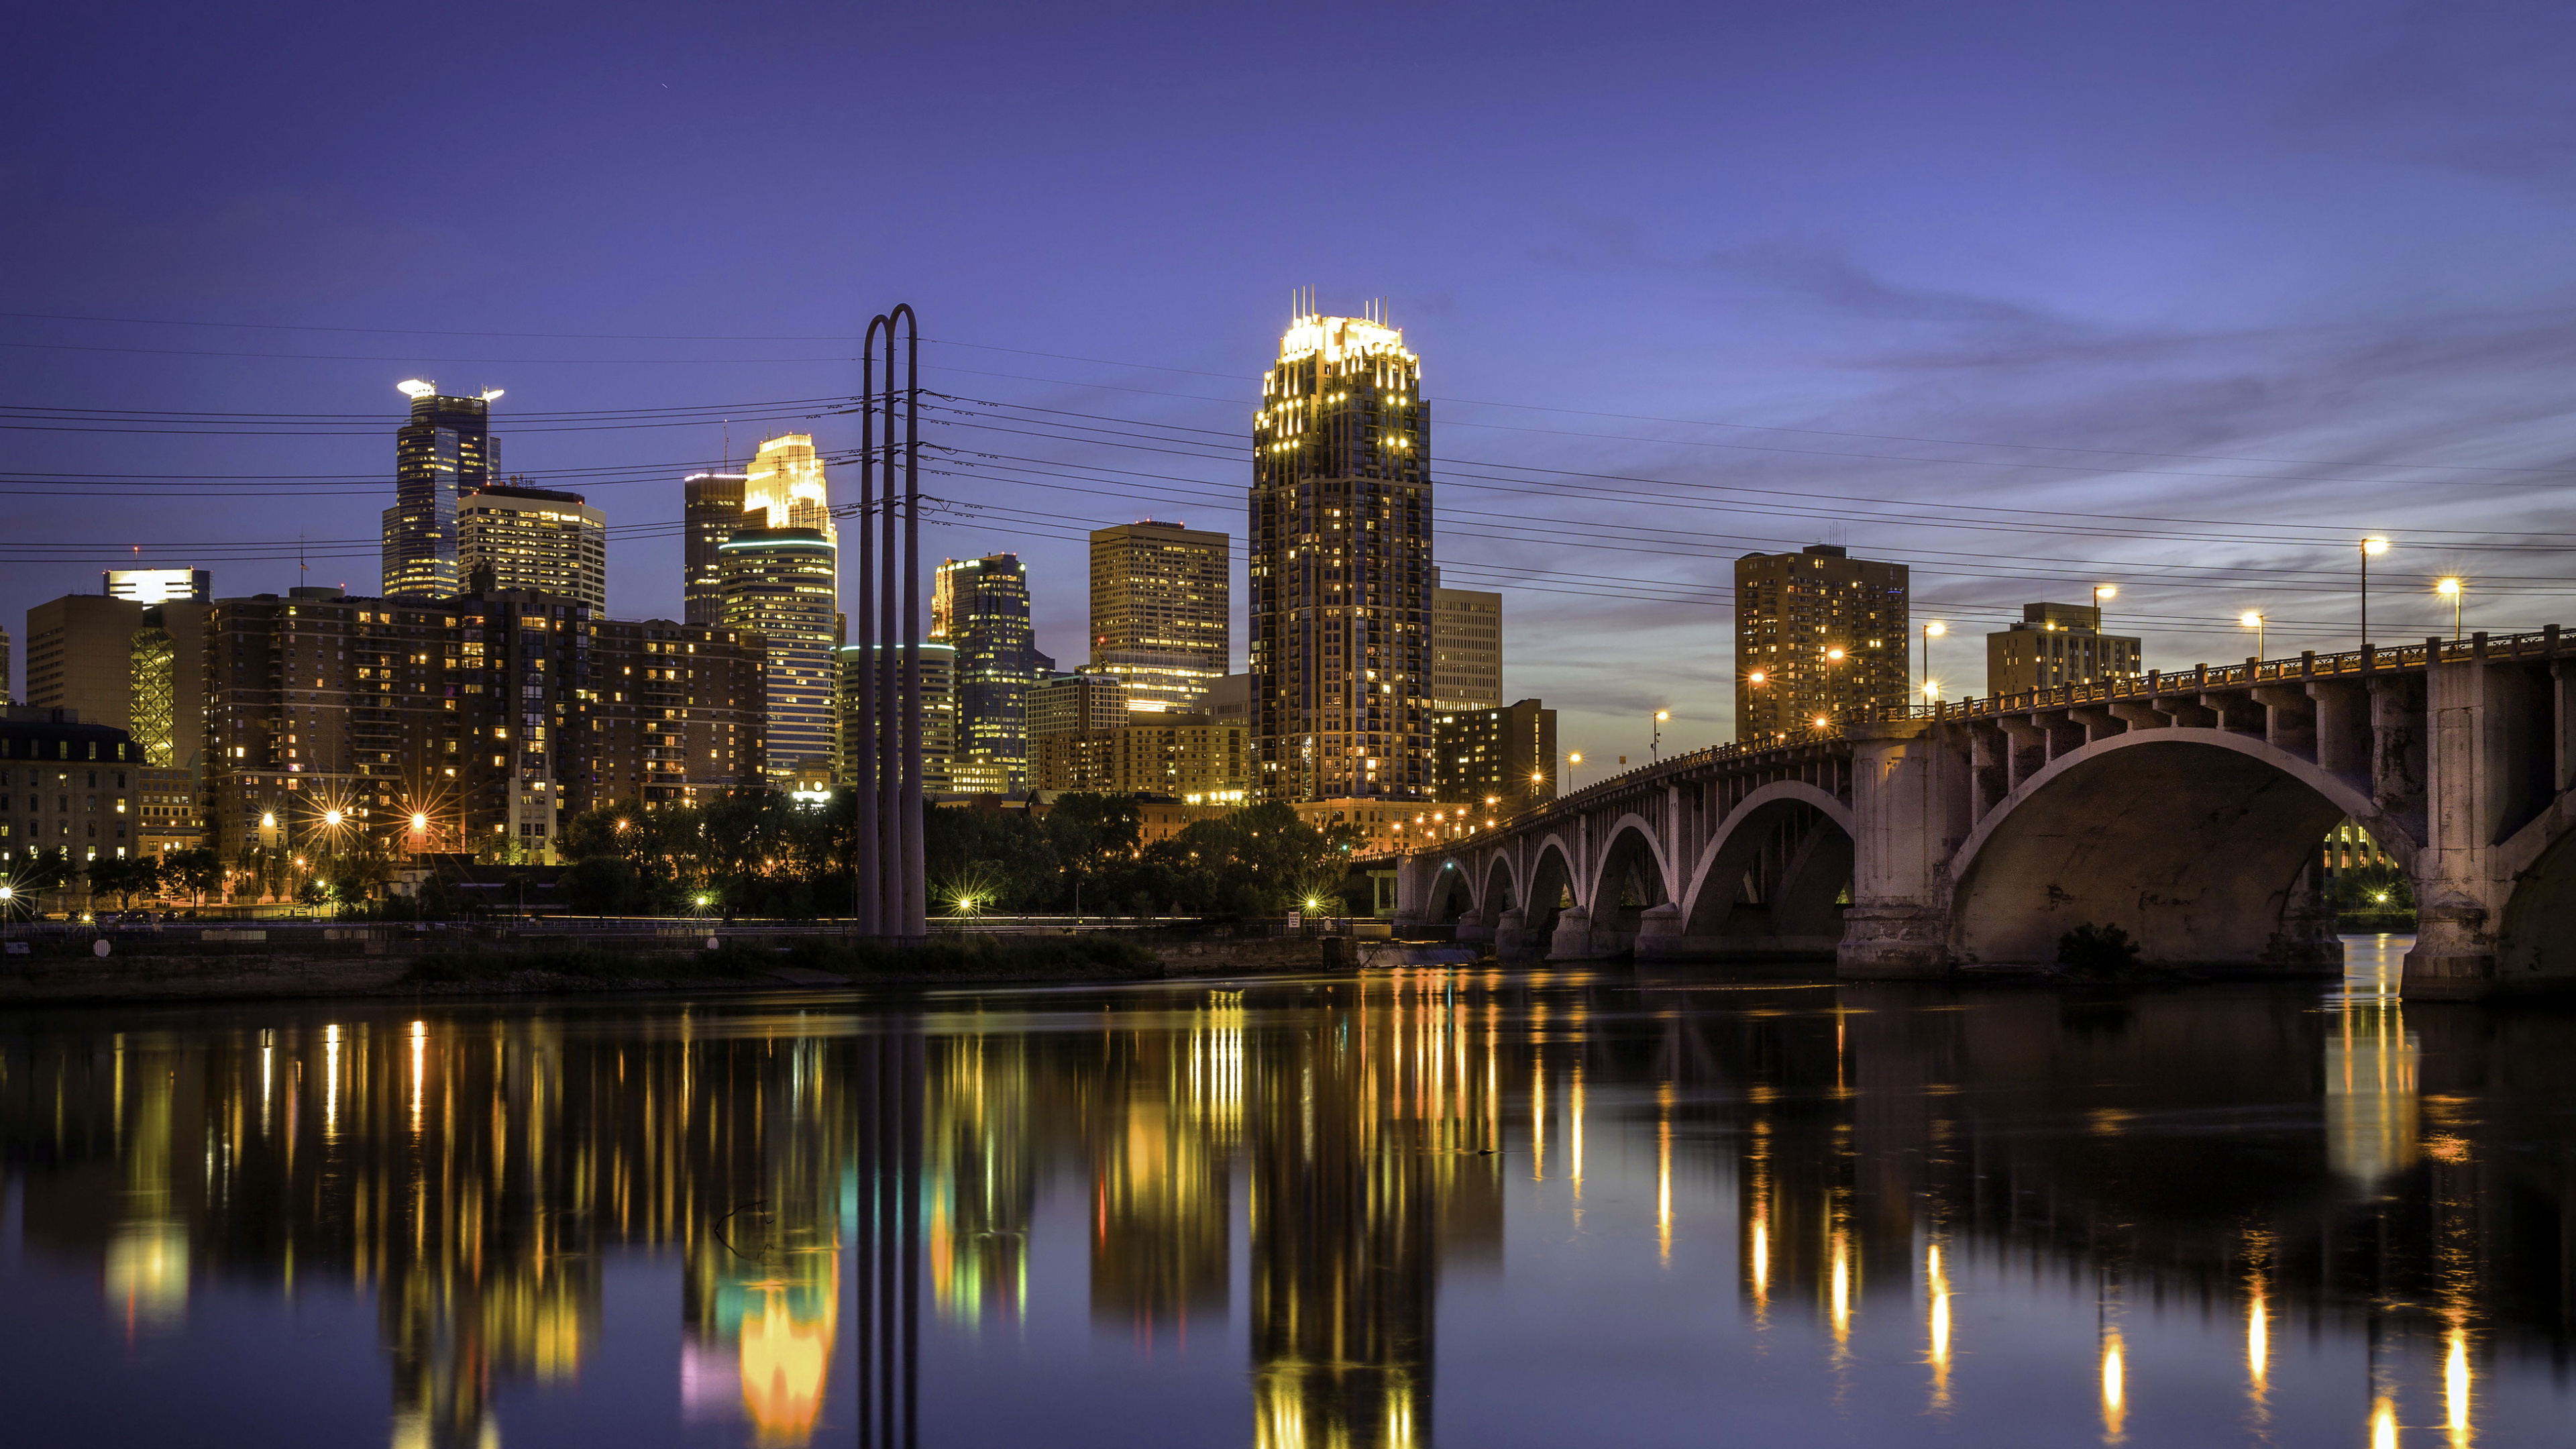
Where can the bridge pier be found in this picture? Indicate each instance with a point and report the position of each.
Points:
(2457, 898)
(1898, 925)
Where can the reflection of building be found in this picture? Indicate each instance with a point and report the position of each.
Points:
(2372, 1107)
(1163, 1162)
(2057, 644)
(1503, 754)
(1340, 571)
(511, 536)
(1818, 636)
(1466, 649)
(1158, 612)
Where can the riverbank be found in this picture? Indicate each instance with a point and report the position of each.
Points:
(221, 966)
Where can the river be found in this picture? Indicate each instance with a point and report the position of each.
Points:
(1470, 1207)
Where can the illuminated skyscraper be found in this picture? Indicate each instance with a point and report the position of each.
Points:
(447, 450)
(1466, 648)
(779, 583)
(786, 484)
(710, 514)
(511, 536)
(1819, 637)
(981, 605)
(1341, 566)
(159, 586)
(1158, 613)
(938, 713)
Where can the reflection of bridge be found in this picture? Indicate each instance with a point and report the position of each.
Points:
(2185, 808)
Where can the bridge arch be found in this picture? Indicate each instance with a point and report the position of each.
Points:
(1769, 881)
(1551, 882)
(1630, 875)
(1500, 889)
(1453, 892)
(2201, 844)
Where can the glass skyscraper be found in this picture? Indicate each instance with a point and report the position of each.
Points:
(445, 450)
(981, 606)
(1340, 572)
(1158, 613)
(779, 583)
(710, 512)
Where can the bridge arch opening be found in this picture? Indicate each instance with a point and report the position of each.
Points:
(2207, 853)
(1631, 882)
(1451, 896)
(1551, 892)
(1783, 871)
(1497, 896)
(2536, 935)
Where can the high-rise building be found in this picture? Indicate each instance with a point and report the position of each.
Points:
(2058, 644)
(981, 606)
(1158, 612)
(1183, 756)
(96, 655)
(1341, 566)
(1820, 636)
(474, 723)
(1505, 755)
(938, 714)
(6, 697)
(1466, 648)
(710, 513)
(780, 584)
(786, 483)
(1068, 704)
(159, 586)
(512, 536)
(446, 451)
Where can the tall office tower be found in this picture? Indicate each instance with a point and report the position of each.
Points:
(1068, 704)
(1158, 612)
(680, 714)
(938, 714)
(446, 451)
(1505, 755)
(1466, 648)
(83, 651)
(981, 606)
(2058, 644)
(159, 586)
(1341, 566)
(5, 696)
(512, 536)
(786, 483)
(780, 584)
(1819, 637)
(710, 514)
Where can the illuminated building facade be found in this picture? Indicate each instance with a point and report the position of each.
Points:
(65, 786)
(1819, 636)
(1466, 648)
(785, 487)
(1506, 754)
(511, 536)
(1187, 757)
(445, 452)
(1340, 570)
(2056, 644)
(1070, 704)
(1159, 616)
(488, 719)
(938, 714)
(980, 606)
(159, 586)
(779, 584)
(711, 510)
(105, 657)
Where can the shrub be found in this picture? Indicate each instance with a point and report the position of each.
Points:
(2091, 950)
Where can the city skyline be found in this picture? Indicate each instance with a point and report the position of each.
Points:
(2207, 349)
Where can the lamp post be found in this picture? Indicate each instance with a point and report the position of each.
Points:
(1932, 629)
(2452, 589)
(2253, 619)
(1572, 761)
(2101, 592)
(1655, 745)
(2370, 548)
(1833, 656)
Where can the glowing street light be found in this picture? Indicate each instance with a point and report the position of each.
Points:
(2101, 592)
(2371, 548)
(1571, 761)
(2253, 619)
(1932, 629)
(1655, 746)
(2453, 590)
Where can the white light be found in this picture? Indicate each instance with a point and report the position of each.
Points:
(416, 388)
(491, 394)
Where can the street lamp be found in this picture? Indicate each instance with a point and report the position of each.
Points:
(1932, 629)
(1654, 747)
(2371, 548)
(2452, 589)
(1571, 761)
(2253, 619)
(2101, 592)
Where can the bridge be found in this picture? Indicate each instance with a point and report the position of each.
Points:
(2187, 808)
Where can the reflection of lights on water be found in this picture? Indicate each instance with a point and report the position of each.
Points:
(1937, 1289)
(2258, 1343)
(419, 1042)
(1761, 1260)
(2383, 1423)
(1664, 1178)
(1578, 1133)
(1538, 1122)
(1841, 1292)
(330, 1079)
(146, 1273)
(2455, 1388)
(2115, 1387)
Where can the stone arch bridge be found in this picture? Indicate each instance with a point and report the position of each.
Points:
(2187, 809)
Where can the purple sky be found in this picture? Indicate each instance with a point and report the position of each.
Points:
(2267, 276)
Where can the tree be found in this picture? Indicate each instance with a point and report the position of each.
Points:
(124, 878)
(195, 871)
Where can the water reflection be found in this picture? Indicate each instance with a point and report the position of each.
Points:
(1381, 1210)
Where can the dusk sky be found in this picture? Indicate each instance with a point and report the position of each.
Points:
(2181, 297)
